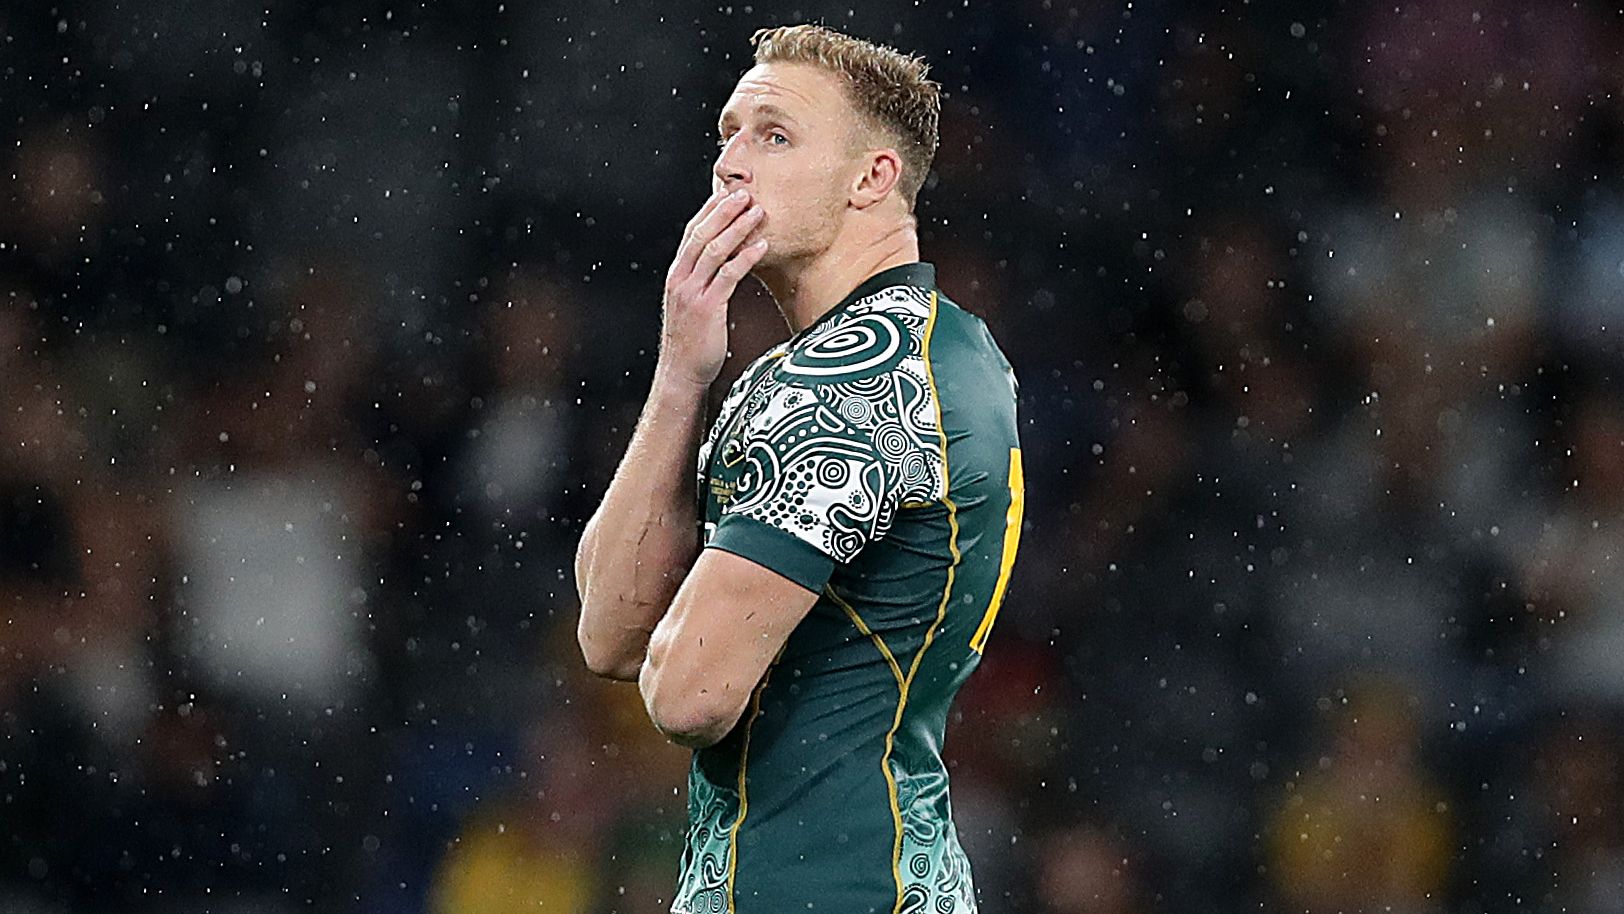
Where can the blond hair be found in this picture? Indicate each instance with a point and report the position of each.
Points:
(888, 89)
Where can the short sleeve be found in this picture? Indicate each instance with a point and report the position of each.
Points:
(826, 467)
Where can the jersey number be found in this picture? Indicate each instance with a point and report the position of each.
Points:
(1012, 541)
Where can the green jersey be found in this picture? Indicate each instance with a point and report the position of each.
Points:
(872, 458)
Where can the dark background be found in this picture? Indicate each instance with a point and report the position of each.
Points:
(325, 324)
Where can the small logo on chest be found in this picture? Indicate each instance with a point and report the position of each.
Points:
(722, 491)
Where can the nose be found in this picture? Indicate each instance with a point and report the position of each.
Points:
(730, 168)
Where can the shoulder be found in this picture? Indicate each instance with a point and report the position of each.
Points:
(964, 356)
(868, 364)
(871, 337)
(862, 380)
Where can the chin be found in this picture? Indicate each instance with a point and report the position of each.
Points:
(783, 251)
(780, 254)
(766, 265)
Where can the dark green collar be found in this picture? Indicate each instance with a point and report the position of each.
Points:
(919, 273)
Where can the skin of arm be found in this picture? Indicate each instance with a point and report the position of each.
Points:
(728, 621)
(642, 540)
(644, 537)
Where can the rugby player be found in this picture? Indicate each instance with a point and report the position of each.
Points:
(804, 620)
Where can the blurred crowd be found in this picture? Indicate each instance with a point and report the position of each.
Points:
(325, 324)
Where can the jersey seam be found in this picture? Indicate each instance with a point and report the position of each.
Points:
(941, 609)
(863, 627)
(890, 736)
(744, 803)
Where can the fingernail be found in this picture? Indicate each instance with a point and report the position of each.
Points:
(736, 195)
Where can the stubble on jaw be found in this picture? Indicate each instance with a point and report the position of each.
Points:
(813, 236)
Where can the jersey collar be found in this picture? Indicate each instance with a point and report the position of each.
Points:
(919, 273)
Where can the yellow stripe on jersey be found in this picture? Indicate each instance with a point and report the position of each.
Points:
(1012, 542)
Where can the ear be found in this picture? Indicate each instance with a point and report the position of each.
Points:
(878, 179)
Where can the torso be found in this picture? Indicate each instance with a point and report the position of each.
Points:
(883, 436)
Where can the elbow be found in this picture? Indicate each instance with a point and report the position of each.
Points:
(619, 669)
(689, 714)
(609, 661)
(696, 726)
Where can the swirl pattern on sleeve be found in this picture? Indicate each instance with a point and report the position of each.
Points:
(849, 433)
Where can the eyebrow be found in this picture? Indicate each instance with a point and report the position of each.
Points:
(765, 110)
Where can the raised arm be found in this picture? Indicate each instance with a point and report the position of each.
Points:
(642, 540)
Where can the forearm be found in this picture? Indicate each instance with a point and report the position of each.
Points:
(639, 544)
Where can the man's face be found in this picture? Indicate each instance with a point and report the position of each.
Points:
(791, 139)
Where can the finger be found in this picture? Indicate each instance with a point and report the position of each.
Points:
(736, 269)
(708, 228)
(705, 226)
(711, 202)
(716, 251)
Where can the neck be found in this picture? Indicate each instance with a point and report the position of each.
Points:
(806, 289)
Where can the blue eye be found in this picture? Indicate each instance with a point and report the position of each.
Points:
(778, 139)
